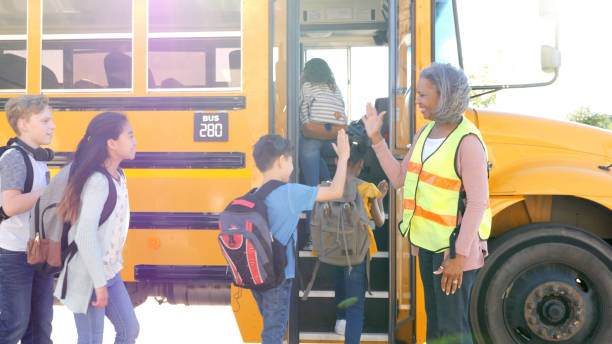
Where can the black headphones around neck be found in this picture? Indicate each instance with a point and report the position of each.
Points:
(40, 154)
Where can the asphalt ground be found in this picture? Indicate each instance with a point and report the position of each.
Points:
(162, 324)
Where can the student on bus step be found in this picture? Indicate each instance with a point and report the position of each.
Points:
(273, 157)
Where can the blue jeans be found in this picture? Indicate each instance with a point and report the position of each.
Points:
(273, 306)
(351, 285)
(447, 315)
(26, 301)
(119, 310)
(312, 164)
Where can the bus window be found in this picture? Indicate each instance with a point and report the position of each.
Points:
(369, 80)
(13, 17)
(445, 34)
(87, 45)
(13, 62)
(360, 81)
(194, 63)
(194, 45)
(13, 35)
(194, 16)
(351, 37)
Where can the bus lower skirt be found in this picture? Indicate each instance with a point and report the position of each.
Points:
(188, 285)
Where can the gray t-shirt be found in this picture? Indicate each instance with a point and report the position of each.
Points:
(12, 170)
(14, 231)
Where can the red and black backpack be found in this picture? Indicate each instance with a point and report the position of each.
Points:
(256, 259)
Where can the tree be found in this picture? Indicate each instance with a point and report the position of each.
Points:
(486, 100)
(584, 115)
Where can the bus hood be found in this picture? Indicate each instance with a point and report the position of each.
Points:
(503, 128)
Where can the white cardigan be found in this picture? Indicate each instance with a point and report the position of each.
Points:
(86, 269)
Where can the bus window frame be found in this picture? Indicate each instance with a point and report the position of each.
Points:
(455, 33)
(24, 38)
(17, 38)
(92, 36)
(196, 34)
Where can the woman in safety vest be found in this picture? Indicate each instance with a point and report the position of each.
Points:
(446, 213)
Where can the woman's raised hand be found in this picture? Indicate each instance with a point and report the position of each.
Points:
(372, 123)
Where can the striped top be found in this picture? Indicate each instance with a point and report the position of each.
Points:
(320, 104)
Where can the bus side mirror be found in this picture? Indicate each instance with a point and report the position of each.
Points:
(550, 59)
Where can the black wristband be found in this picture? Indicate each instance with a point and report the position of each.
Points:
(3, 215)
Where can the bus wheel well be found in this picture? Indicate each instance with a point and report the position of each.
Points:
(568, 210)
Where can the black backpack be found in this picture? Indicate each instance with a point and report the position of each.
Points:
(256, 259)
(27, 185)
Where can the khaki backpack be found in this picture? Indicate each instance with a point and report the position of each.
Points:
(339, 231)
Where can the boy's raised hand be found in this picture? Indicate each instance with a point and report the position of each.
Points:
(335, 190)
(342, 146)
(373, 122)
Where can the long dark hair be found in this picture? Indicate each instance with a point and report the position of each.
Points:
(359, 147)
(90, 155)
(317, 71)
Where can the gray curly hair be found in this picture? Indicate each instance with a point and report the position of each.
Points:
(452, 87)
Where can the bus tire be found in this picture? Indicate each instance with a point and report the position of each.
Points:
(544, 283)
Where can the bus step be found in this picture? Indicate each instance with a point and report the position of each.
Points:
(382, 254)
(332, 336)
(379, 274)
(318, 314)
(330, 293)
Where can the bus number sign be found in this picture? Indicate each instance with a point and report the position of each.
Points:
(210, 126)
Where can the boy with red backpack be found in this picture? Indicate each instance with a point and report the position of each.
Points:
(272, 155)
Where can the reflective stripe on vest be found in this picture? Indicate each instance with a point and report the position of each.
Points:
(432, 191)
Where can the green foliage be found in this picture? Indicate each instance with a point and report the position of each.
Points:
(486, 100)
(482, 102)
(584, 115)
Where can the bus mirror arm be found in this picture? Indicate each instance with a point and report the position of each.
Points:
(550, 62)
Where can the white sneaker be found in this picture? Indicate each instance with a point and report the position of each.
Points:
(340, 326)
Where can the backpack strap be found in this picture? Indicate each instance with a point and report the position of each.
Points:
(453, 237)
(72, 248)
(368, 261)
(67, 256)
(345, 212)
(312, 280)
(29, 181)
(36, 220)
(267, 188)
(111, 200)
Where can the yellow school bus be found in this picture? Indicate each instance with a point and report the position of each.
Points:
(202, 80)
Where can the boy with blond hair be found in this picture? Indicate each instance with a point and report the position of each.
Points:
(26, 296)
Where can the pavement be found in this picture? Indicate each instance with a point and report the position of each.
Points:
(162, 324)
